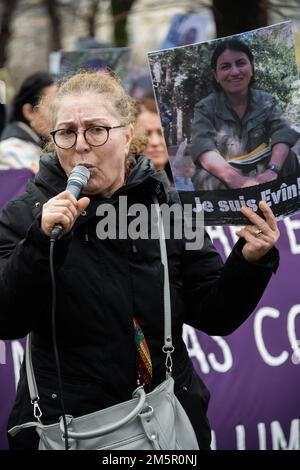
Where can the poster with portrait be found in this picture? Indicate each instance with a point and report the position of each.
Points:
(189, 28)
(115, 59)
(229, 110)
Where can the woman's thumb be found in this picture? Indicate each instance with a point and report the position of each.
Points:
(83, 203)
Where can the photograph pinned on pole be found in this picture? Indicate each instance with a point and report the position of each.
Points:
(106, 59)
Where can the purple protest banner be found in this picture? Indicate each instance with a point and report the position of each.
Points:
(12, 183)
(10, 362)
(253, 374)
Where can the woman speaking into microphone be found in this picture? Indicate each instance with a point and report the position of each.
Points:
(110, 291)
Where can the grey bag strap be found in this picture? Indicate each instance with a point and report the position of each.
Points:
(168, 347)
(139, 393)
(33, 390)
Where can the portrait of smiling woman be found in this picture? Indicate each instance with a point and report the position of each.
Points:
(110, 293)
(240, 136)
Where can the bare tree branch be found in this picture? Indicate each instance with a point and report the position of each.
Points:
(120, 30)
(155, 6)
(91, 17)
(231, 19)
(8, 9)
(55, 24)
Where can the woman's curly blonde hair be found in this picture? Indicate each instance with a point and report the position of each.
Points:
(102, 83)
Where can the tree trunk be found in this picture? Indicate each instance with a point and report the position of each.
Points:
(8, 9)
(55, 23)
(238, 16)
(91, 18)
(120, 10)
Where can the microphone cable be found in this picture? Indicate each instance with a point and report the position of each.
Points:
(56, 355)
(78, 178)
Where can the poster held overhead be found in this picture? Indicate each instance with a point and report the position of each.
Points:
(232, 101)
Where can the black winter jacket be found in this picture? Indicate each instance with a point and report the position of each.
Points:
(101, 285)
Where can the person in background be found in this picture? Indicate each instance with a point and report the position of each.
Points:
(110, 291)
(240, 136)
(141, 87)
(189, 37)
(148, 123)
(22, 138)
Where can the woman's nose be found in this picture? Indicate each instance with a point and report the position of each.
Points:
(154, 138)
(81, 144)
(234, 70)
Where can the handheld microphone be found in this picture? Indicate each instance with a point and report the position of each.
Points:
(78, 178)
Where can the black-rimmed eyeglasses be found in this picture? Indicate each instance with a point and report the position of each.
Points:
(94, 136)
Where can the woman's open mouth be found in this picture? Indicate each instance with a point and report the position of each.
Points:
(87, 165)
